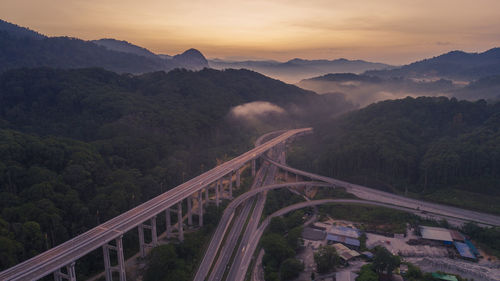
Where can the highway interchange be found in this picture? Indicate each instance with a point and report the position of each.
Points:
(68, 252)
(370, 196)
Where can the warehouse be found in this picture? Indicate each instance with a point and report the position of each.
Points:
(345, 253)
(344, 231)
(464, 250)
(436, 234)
(351, 242)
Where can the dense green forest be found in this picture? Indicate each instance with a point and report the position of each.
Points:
(437, 148)
(23, 47)
(78, 147)
(66, 52)
(281, 241)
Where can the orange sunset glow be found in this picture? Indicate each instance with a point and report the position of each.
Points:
(391, 31)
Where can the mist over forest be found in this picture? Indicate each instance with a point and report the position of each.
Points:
(92, 128)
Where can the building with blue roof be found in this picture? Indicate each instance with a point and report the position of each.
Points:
(342, 239)
(472, 247)
(464, 250)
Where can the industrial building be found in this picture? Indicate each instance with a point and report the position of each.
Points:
(451, 237)
(464, 250)
(345, 253)
(436, 234)
(313, 234)
(351, 242)
(343, 231)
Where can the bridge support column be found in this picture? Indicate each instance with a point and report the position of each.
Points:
(107, 263)
(121, 259)
(221, 189)
(238, 179)
(179, 221)
(154, 233)
(286, 175)
(296, 177)
(120, 267)
(200, 208)
(217, 195)
(253, 167)
(142, 247)
(189, 210)
(231, 185)
(69, 275)
(168, 222)
(283, 156)
(207, 197)
(154, 236)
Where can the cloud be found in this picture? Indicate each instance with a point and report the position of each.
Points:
(255, 109)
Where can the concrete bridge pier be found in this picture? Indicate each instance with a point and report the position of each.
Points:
(217, 191)
(286, 175)
(200, 208)
(154, 236)
(189, 210)
(283, 155)
(253, 167)
(168, 222)
(120, 268)
(69, 275)
(231, 185)
(207, 197)
(238, 179)
(179, 221)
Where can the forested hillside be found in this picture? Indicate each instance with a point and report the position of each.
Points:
(452, 65)
(439, 148)
(78, 147)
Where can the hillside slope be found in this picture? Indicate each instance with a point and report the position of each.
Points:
(21, 47)
(79, 147)
(19, 31)
(437, 148)
(456, 65)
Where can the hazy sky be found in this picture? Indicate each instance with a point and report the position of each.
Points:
(392, 31)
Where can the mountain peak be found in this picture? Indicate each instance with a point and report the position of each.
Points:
(19, 31)
(191, 59)
(193, 52)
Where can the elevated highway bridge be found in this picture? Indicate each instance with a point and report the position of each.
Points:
(60, 260)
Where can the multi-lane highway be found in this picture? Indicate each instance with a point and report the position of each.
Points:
(239, 234)
(232, 237)
(81, 245)
(68, 252)
(372, 197)
(254, 219)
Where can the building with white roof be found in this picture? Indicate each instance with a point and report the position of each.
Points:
(436, 233)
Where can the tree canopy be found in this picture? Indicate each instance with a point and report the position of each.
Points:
(443, 149)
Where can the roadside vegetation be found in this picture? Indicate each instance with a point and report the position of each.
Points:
(81, 146)
(278, 199)
(326, 259)
(434, 148)
(371, 218)
(280, 242)
(488, 238)
(179, 261)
